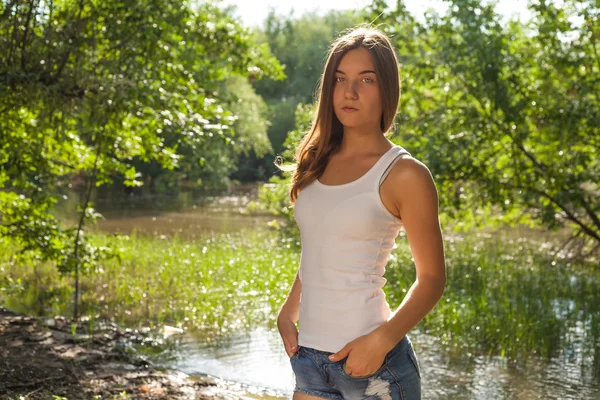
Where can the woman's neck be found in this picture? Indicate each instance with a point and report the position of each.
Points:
(363, 140)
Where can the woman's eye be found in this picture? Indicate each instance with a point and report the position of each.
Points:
(367, 79)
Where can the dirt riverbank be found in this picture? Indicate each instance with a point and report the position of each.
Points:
(41, 358)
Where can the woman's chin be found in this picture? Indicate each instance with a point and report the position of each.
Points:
(351, 123)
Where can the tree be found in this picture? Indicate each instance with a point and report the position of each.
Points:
(89, 87)
(301, 45)
(506, 116)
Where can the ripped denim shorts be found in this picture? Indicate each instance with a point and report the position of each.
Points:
(398, 378)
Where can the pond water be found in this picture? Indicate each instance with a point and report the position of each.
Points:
(188, 215)
(254, 365)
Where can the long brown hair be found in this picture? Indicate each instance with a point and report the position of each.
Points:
(326, 131)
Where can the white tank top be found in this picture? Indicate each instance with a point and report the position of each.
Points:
(347, 235)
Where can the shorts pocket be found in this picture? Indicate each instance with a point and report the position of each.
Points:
(342, 366)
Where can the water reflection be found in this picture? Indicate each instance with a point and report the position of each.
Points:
(191, 224)
(186, 214)
(255, 364)
(497, 299)
(256, 360)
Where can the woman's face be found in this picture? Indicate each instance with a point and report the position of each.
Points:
(356, 94)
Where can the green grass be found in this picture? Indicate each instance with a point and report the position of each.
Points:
(508, 297)
(230, 282)
(503, 297)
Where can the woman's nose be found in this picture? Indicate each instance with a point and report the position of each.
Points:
(350, 91)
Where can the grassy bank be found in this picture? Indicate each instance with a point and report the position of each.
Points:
(504, 296)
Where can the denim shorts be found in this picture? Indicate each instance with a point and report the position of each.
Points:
(398, 378)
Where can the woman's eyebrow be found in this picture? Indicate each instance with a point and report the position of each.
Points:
(366, 71)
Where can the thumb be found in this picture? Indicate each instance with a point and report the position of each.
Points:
(343, 353)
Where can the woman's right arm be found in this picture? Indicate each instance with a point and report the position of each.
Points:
(288, 316)
(291, 306)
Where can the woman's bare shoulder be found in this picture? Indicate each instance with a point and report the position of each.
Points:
(409, 169)
(411, 181)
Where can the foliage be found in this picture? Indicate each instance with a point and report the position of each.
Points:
(250, 127)
(273, 197)
(506, 116)
(304, 117)
(505, 295)
(300, 44)
(90, 88)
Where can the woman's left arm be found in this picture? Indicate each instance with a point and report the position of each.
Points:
(416, 199)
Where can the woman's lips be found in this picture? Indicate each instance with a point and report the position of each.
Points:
(349, 109)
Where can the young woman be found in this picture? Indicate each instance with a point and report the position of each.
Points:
(353, 191)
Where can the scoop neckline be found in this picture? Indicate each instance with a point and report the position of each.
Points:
(379, 161)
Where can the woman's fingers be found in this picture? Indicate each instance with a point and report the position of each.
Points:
(290, 343)
(291, 346)
(289, 335)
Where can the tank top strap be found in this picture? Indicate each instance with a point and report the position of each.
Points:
(390, 159)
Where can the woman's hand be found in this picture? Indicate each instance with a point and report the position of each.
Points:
(289, 334)
(366, 354)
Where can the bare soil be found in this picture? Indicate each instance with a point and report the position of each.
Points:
(41, 358)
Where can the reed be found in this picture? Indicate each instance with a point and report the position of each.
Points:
(503, 297)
